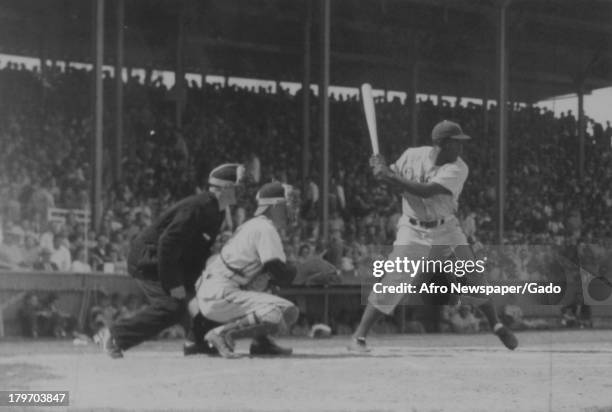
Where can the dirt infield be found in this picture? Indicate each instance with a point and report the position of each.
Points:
(551, 371)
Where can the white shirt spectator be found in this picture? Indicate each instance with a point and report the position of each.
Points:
(61, 257)
(80, 267)
(253, 168)
(469, 225)
(341, 196)
(46, 240)
(11, 255)
(313, 192)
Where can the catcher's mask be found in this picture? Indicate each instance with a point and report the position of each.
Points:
(281, 200)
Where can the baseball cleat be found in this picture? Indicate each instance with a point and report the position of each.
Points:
(108, 344)
(265, 346)
(218, 340)
(358, 345)
(204, 348)
(507, 337)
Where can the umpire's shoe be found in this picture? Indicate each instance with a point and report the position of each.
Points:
(265, 346)
(108, 344)
(506, 336)
(193, 348)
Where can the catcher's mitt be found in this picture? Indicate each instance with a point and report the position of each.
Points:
(316, 271)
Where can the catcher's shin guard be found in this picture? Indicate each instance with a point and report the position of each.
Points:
(254, 325)
(222, 337)
(250, 326)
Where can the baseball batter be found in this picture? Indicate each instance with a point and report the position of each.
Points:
(232, 288)
(430, 180)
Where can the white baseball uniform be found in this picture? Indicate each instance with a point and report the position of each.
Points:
(232, 284)
(428, 227)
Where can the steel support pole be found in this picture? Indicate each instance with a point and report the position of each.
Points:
(120, 19)
(98, 98)
(179, 73)
(581, 133)
(324, 114)
(485, 111)
(503, 120)
(306, 93)
(414, 108)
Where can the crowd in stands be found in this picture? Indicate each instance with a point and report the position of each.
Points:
(45, 131)
(45, 135)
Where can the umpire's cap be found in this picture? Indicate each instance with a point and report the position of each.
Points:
(447, 129)
(226, 175)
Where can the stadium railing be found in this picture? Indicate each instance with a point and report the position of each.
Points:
(78, 291)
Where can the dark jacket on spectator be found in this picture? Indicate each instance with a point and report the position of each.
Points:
(174, 248)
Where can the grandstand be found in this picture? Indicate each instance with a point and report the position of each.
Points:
(90, 158)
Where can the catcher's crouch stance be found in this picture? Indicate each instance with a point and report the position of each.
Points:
(231, 288)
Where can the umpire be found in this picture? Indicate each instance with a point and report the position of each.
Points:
(166, 259)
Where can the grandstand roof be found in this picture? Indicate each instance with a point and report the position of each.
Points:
(553, 44)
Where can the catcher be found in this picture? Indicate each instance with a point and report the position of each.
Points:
(234, 288)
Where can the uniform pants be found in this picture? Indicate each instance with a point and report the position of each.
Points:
(416, 243)
(163, 311)
(222, 301)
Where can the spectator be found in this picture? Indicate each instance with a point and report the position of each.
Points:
(100, 253)
(44, 263)
(53, 321)
(79, 264)
(462, 320)
(42, 199)
(60, 255)
(31, 250)
(469, 226)
(11, 253)
(304, 253)
(46, 239)
(102, 314)
(28, 315)
(336, 225)
(512, 316)
(253, 168)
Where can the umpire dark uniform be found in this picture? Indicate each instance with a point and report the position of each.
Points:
(167, 258)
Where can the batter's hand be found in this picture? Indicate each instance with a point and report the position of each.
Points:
(382, 171)
(376, 160)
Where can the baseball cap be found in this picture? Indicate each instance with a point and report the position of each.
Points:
(226, 175)
(447, 129)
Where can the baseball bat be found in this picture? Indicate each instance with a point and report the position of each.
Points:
(370, 114)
